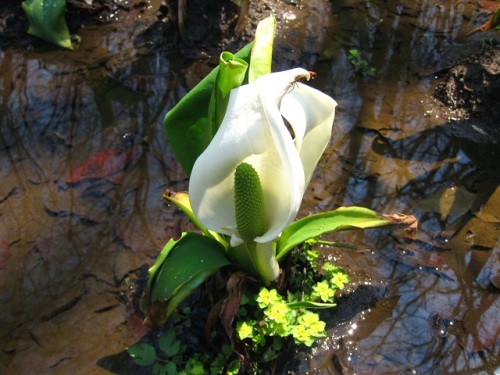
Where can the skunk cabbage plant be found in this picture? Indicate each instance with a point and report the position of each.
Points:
(255, 149)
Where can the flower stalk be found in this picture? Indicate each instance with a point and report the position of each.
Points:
(258, 259)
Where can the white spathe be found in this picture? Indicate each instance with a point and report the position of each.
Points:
(253, 131)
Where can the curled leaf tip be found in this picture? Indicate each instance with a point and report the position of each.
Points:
(408, 222)
(304, 75)
(169, 194)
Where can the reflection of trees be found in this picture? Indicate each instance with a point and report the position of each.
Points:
(67, 240)
(434, 326)
(389, 148)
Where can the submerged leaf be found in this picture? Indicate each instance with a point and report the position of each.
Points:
(104, 163)
(46, 18)
(493, 21)
(449, 201)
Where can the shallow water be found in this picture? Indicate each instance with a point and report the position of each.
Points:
(69, 242)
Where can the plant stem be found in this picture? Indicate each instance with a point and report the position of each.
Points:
(257, 259)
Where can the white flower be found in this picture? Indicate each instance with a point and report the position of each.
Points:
(254, 131)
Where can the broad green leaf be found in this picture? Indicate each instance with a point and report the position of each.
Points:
(168, 344)
(232, 72)
(46, 19)
(262, 50)
(153, 270)
(143, 354)
(168, 368)
(310, 305)
(186, 123)
(316, 225)
(191, 260)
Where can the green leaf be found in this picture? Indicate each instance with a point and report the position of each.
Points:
(343, 218)
(46, 18)
(232, 72)
(310, 305)
(262, 50)
(168, 344)
(153, 270)
(143, 354)
(188, 263)
(234, 367)
(168, 368)
(186, 123)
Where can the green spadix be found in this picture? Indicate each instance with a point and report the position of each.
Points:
(249, 203)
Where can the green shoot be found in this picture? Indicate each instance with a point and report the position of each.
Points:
(360, 66)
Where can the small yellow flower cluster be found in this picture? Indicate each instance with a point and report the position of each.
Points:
(309, 328)
(323, 291)
(338, 278)
(279, 319)
(270, 317)
(245, 329)
(267, 297)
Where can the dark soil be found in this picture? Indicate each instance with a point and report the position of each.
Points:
(471, 93)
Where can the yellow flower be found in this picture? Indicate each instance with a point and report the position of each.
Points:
(317, 329)
(339, 279)
(308, 319)
(323, 291)
(267, 297)
(302, 335)
(244, 330)
(278, 312)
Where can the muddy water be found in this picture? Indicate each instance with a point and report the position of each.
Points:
(84, 161)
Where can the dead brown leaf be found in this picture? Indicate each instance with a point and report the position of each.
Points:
(410, 222)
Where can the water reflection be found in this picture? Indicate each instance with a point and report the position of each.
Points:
(388, 152)
(72, 242)
(68, 246)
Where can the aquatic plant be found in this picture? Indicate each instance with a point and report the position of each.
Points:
(266, 324)
(360, 65)
(46, 19)
(250, 141)
(169, 357)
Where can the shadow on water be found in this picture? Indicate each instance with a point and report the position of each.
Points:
(84, 162)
